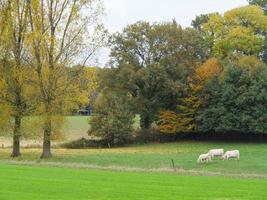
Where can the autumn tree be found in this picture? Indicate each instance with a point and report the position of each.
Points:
(235, 101)
(88, 86)
(183, 118)
(151, 62)
(5, 110)
(261, 3)
(239, 31)
(62, 33)
(205, 73)
(14, 69)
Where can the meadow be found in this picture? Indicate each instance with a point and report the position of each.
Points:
(133, 172)
(156, 157)
(74, 128)
(27, 182)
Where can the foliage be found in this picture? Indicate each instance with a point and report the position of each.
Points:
(84, 143)
(199, 21)
(87, 87)
(59, 35)
(5, 111)
(18, 94)
(167, 121)
(236, 101)
(186, 112)
(238, 32)
(112, 119)
(261, 3)
(207, 78)
(5, 116)
(207, 43)
(182, 120)
(205, 73)
(152, 62)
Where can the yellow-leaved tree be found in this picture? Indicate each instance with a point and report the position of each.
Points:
(182, 120)
(88, 86)
(62, 33)
(240, 31)
(16, 94)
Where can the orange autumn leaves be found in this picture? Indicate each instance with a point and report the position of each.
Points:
(204, 73)
(182, 119)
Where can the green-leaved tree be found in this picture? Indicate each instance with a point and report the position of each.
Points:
(236, 100)
(152, 62)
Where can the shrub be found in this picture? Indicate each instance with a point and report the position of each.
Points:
(112, 119)
(85, 143)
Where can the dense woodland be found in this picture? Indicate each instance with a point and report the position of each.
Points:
(210, 78)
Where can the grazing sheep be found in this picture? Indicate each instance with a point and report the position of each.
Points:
(231, 154)
(216, 152)
(204, 157)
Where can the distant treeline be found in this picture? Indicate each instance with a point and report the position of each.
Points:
(210, 78)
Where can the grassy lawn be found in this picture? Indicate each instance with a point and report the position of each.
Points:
(25, 182)
(75, 127)
(158, 156)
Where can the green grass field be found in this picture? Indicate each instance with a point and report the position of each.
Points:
(133, 172)
(253, 160)
(25, 182)
(76, 127)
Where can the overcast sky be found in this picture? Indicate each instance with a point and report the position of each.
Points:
(119, 13)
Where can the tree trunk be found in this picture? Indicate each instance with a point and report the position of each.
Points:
(16, 146)
(47, 141)
(16, 137)
(145, 121)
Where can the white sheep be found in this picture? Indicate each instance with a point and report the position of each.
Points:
(204, 157)
(216, 152)
(231, 154)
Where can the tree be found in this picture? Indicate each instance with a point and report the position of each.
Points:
(151, 62)
(183, 119)
(261, 3)
(188, 106)
(88, 84)
(112, 120)
(239, 31)
(5, 110)
(167, 122)
(59, 37)
(14, 69)
(236, 100)
(199, 21)
(205, 73)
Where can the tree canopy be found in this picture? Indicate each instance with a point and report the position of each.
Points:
(239, 31)
(151, 62)
(235, 100)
